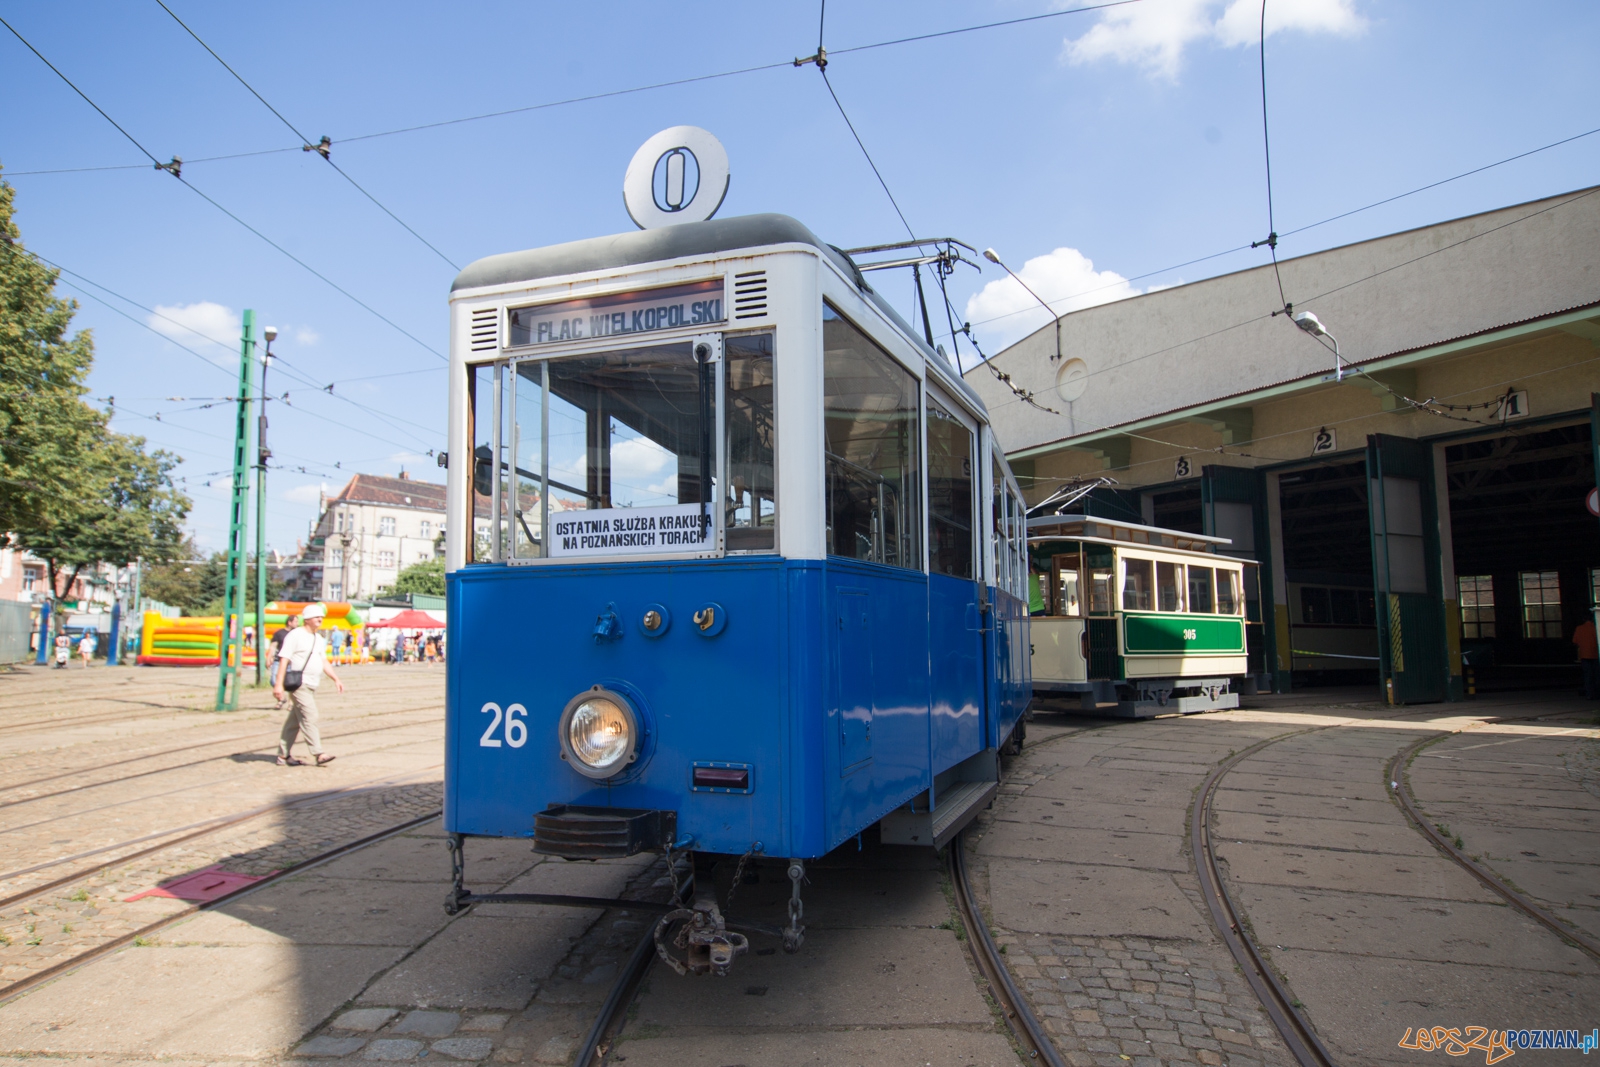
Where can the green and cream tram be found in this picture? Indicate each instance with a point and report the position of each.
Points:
(1150, 620)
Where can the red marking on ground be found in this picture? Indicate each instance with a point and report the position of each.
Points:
(200, 887)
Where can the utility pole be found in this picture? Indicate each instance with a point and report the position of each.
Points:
(232, 647)
(262, 454)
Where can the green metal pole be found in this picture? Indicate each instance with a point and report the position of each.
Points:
(261, 515)
(233, 595)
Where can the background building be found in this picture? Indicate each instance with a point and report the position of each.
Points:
(367, 533)
(1434, 495)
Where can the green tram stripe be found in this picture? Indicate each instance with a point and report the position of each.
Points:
(1166, 634)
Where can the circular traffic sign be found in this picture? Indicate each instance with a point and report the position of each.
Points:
(1593, 500)
(679, 175)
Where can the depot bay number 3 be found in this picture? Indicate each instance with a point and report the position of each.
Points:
(516, 730)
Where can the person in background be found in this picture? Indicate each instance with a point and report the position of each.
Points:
(63, 650)
(275, 646)
(86, 646)
(1588, 658)
(399, 652)
(304, 650)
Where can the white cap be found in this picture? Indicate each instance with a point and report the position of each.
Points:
(313, 611)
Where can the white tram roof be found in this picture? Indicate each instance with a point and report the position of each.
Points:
(690, 240)
(1094, 527)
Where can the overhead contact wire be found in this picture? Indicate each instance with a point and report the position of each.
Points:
(173, 169)
(305, 141)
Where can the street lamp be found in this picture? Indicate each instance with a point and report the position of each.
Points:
(262, 455)
(994, 257)
(1313, 325)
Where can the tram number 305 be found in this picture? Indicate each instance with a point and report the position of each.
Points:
(516, 731)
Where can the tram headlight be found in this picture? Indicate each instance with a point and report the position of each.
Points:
(599, 733)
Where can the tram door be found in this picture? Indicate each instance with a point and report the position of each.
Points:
(1412, 651)
(955, 629)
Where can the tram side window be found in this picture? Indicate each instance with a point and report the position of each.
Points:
(1169, 586)
(997, 550)
(1065, 571)
(752, 498)
(1228, 602)
(1138, 584)
(527, 443)
(1351, 607)
(950, 495)
(1316, 607)
(1019, 545)
(1200, 599)
(873, 442)
(481, 383)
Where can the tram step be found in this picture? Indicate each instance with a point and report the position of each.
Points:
(957, 807)
(1146, 709)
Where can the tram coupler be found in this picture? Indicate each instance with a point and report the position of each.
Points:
(705, 940)
(794, 935)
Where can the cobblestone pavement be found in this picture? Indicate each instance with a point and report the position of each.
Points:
(1371, 927)
(102, 763)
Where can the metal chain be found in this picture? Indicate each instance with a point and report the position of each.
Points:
(794, 936)
(738, 876)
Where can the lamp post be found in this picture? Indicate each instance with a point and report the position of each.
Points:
(1313, 325)
(262, 455)
(994, 257)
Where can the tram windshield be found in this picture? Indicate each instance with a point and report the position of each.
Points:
(631, 430)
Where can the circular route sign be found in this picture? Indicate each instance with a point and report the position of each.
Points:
(1593, 500)
(679, 175)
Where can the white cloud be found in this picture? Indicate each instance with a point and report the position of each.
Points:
(305, 335)
(186, 323)
(1003, 311)
(306, 494)
(1154, 34)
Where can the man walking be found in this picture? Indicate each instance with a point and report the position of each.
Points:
(304, 652)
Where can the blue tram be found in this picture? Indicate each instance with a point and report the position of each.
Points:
(735, 565)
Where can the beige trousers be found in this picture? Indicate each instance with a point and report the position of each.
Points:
(302, 720)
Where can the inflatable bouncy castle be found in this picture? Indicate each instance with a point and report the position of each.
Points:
(196, 641)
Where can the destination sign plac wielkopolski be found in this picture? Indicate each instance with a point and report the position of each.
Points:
(647, 311)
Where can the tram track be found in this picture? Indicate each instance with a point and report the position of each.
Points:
(1395, 776)
(162, 752)
(14, 989)
(178, 766)
(187, 833)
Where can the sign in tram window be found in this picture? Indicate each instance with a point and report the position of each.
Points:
(1169, 586)
(949, 493)
(752, 499)
(873, 445)
(1100, 585)
(671, 307)
(1138, 585)
(1200, 599)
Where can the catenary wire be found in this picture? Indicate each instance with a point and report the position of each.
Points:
(1305, 228)
(1346, 285)
(1266, 144)
(588, 97)
(306, 142)
(294, 371)
(172, 169)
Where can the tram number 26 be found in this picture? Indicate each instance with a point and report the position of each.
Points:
(516, 731)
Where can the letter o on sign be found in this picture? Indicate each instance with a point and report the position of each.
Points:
(679, 175)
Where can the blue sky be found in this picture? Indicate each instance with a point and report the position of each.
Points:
(1090, 149)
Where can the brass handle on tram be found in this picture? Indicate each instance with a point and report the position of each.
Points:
(705, 618)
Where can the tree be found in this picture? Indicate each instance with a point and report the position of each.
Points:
(120, 506)
(44, 423)
(426, 578)
(72, 491)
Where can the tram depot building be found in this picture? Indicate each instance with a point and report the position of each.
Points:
(1421, 524)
